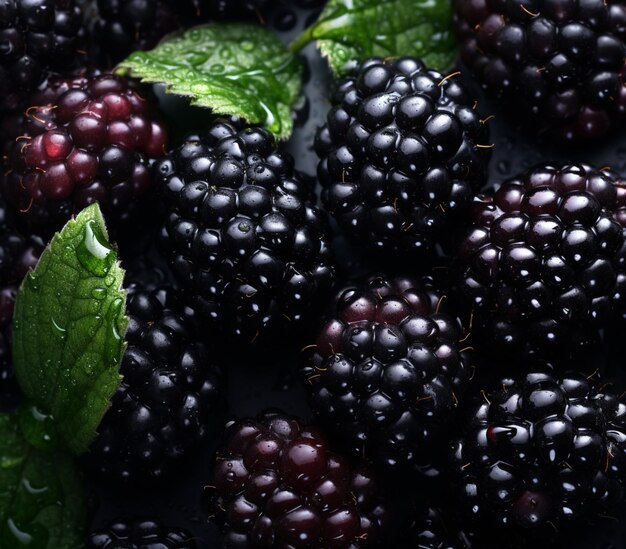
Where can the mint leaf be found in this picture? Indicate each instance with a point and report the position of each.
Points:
(234, 69)
(69, 326)
(42, 502)
(353, 30)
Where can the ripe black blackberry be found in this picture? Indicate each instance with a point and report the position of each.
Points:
(402, 152)
(560, 64)
(18, 254)
(541, 451)
(430, 530)
(94, 141)
(168, 398)
(278, 484)
(386, 370)
(125, 26)
(39, 37)
(193, 10)
(541, 264)
(139, 534)
(242, 233)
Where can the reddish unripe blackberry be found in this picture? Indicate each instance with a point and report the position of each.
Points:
(94, 142)
(402, 152)
(542, 263)
(559, 64)
(139, 534)
(540, 451)
(169, 396)
(38, 37)
(387, 369)
(243, 233)
(278, 484)
(125, 26)
(18, 254)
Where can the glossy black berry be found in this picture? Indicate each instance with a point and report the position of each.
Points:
(558, 64)
(541, 451)
(168, 399)
(541, 264)
(92, 141)
(18, 254)
(279, 484)
(402, 152)
(387, 369)
(125, 26)
(243, 233)
(219, 9)
(430, 528)
(37, 38)
(139, 534)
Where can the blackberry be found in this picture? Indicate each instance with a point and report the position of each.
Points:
(560, 64)
(541, 450)
(386, 370)
(541, 264)
(402, 152)
(219, 9)
(125, 26)
(139, 534)
(163, 408)
(242, 232)
(431, 530)
(18, 254)
(278, 484)
(94, 142)
(39, 38)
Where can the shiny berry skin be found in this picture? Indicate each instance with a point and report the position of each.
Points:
(278, 484)
(541, 451)
(139, 534)
(18, 254)
(542, 263)
(219, 9)
(432, 529)
(94, 142)
(168, 398)
(125, 26)
(401, 154)
(243, 234)
(387, 369)
(38, 37)
(559, 65)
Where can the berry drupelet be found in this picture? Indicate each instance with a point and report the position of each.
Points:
(93, 142)
(125, 26)
(386, 370)
(18, 254)
(139, 534)
(430, 530)
(39, 38)
(541, 262)
(540, 451)
(193, 10)
(242, 232)
(402, 152)
(165, 404)
(278, 484)
(559, 64)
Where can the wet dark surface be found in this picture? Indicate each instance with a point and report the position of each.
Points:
(268, 380)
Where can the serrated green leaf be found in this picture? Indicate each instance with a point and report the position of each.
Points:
(69, 327)
(42, 501)
(234, 69)
(353, 30)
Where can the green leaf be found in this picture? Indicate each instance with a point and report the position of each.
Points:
(353, 30)
(42, 501)
(69, 329)
(234, 69)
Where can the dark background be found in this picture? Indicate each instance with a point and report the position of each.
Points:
(269, 381)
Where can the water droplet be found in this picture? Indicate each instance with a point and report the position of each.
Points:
(93, 252)
(99, 293)
(247, 45)
(61, 332)
(217, 68)
(22, 537)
